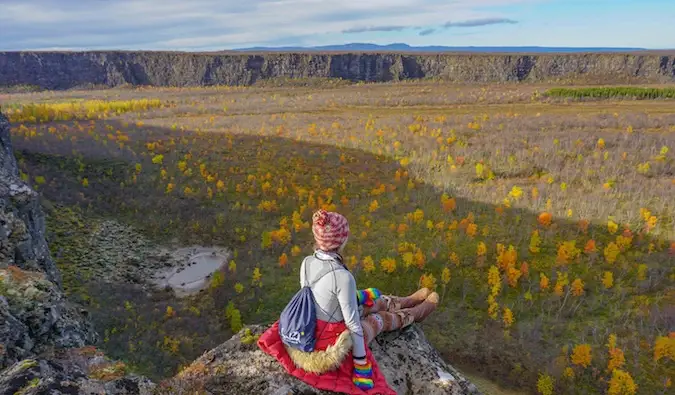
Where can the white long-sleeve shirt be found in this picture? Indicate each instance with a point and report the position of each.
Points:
(334, 295)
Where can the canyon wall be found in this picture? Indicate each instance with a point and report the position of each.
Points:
(65, 70)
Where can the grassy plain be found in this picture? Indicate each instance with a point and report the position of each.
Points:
(546, 224)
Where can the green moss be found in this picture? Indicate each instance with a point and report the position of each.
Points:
(31, 384)
(27, 364)
(248, 337)
(111, 372)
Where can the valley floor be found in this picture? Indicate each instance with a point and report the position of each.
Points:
(546, 223)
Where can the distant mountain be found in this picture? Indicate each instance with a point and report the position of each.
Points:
(400, 47)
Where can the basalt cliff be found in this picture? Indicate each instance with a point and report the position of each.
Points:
(47, 344)
(65, 70)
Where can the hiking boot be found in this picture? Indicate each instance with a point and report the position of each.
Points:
(396, 303)
(419, 312)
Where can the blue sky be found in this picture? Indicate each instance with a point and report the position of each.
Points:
(227, 24)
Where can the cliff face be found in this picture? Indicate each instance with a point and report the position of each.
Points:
(21, 218)
(63, 70)
(34, 314)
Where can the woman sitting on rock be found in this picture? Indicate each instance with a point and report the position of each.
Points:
(347, 318)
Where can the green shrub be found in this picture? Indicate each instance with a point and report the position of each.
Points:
(613, 92)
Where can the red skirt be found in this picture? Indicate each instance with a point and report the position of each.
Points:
(338, 380)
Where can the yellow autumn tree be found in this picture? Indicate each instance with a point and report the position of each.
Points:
(507, 317)
(420, 259)
(481, 250)
(388, 265)
(621, 383)
(445, 276)
(428, 281)
(561, 281)
(283, 260)
(454, 258)
(512, 276)
(545, 384)
(368, 264)
(664, 347)
(545, 219)
(257, 277)
(567, 252)
(581, 355)
(494, 280)
(607, 279)
(296, 250)
(611, 252)
(616, 357)
(493, 306)
(449, 204)
(577, 287)
(506, 258)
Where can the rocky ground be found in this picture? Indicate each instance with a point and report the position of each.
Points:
(72, 371)
(410, 363)
(112, 252)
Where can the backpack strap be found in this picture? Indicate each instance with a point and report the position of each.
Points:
(316, 280)
(320, 276)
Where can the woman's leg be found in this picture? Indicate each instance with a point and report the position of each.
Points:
(393, 303)
(376, 323)
(385, 321)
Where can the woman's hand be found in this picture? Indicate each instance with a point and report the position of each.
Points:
(368, 296)
(363, 373)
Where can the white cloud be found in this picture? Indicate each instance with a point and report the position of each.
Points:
(479, 22)
(216, 24)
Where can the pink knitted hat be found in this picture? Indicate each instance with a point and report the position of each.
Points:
(330, 229)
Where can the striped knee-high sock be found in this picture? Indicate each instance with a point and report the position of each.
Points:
(378, 305)
(376, 323)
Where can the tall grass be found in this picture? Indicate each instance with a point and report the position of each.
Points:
(88, 109)
(611, 92)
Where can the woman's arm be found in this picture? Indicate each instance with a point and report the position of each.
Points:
(346, 293)
(302, 273)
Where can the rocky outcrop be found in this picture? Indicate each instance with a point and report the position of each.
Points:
(22, 222)
(34, 314)
(36, 317)
(63, 70)
(74, 371)
(410, 364)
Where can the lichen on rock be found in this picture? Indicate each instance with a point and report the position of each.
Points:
(36, 308)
